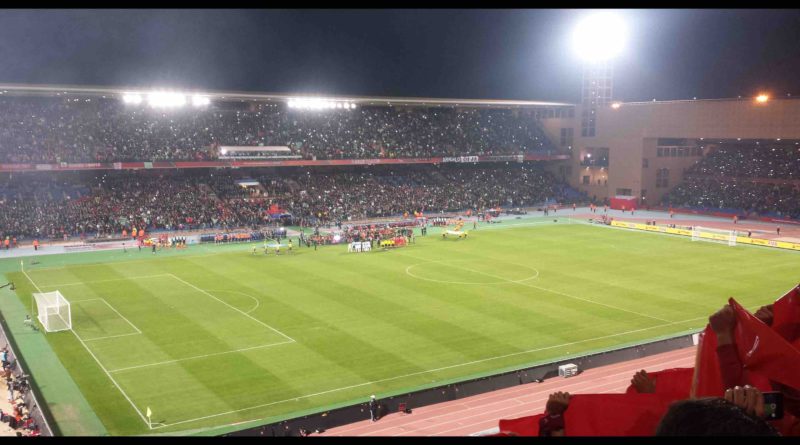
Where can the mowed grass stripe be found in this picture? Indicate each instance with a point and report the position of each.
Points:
(365, 326)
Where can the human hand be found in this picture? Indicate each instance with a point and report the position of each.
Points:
(643, 383)
(748, 398)
(722, 322)
(557, 403)
(764, 313)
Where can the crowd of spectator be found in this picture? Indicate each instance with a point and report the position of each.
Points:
(56, 207)
(782, 200)
(16, 413)
(344, 196)
(751, 161)
(94, 129)
(755, 179)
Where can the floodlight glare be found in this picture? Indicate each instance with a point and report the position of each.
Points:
(762, 98)
(132, 98)
(600, 37)
(159, 99)
(200, 101)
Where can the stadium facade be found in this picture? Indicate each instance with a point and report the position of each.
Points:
(634, 137)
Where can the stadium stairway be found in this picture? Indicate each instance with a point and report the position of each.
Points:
(479, 414)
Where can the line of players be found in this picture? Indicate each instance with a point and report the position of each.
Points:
(276, 247)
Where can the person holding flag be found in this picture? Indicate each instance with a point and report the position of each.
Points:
(761, 350)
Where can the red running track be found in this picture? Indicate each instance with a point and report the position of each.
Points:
(482, 412)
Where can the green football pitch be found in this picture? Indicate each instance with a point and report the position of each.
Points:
(213, 336)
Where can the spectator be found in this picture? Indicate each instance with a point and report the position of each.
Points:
(552, 423)
(91, 129)
(712, 417)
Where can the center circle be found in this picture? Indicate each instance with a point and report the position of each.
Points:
(495, 280)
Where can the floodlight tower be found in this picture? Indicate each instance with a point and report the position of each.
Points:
(598, 39)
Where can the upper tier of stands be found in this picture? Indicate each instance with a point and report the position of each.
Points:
(776, 161)
(53, 129)
(752, 178)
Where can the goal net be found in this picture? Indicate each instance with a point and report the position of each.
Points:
(714, 235)
(53, 311)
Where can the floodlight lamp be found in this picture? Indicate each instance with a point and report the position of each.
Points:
(600, 37)
(200, 101)
(762, 98)
(132, 98)
(160, 99)
(616, 105)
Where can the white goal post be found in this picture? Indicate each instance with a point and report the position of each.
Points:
(54, 311)
(714, 235)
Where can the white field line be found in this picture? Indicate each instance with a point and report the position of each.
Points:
(138, 331)
(258, 302)
(430, 371)
(144, 419)
(200, 356)
(121, 316)
(618, 369)
(233, 307)
(522, 283)
(111, 336)
(574, 388)
(505, 281)
(77, 283)
(687, 238)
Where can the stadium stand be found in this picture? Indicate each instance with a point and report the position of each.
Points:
(74, 205)
(93, 129)
(752, 161)
(749, 178)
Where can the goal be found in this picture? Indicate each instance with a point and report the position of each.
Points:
(714, 235)
(53, 311)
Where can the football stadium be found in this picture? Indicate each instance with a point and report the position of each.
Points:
(236, 263)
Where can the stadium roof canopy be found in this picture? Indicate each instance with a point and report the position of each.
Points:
(238, 96)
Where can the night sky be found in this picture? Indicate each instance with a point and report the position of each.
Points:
(487, 54)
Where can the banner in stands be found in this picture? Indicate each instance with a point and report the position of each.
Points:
(622, 202)
(501, 158)
(279, 163)
(461, 159)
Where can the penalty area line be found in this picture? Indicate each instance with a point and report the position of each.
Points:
(264, 405)
(124, 394)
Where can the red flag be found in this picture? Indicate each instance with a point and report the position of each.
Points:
(762, 350)
(615, 414)
(786, 316)
(601, 415)
(676, 381)
(707, 381)
(522, 426)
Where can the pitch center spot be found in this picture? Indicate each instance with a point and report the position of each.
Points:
(491, 278)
